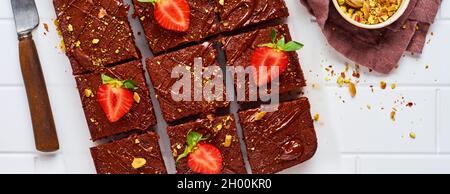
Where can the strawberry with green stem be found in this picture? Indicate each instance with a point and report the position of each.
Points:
(171, 14)
(202, 157)
(270, 55)
(115, 97)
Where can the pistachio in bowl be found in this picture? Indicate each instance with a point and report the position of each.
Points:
(371, 14)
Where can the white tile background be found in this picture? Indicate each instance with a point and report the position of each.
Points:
(352, 139)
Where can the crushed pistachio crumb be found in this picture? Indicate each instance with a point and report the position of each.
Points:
(393, 86)
(95, 41)
(77, 44)
(412, 135)
(137, 141)
(70, 28)
(316, 117)
(228, 139)
(88, 93)
(138, 163)
(393, 114)
(136, 97)
(259, 115)
(352, 89)
(383, 85)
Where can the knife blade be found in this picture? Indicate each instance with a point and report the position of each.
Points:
(26, 18)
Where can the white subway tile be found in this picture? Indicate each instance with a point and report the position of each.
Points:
(16, 121)
(17, 163)
(364, 130)
(444, 121)
(408, 164)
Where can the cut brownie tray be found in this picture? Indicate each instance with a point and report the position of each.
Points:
(205, 137)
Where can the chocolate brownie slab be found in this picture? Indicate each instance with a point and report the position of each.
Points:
(132, 155)
(96, 33)
(139, 117)
(240, 48)
(203, 23)
(279, 140)
(221, 133)
(235, 14)
(160, 70)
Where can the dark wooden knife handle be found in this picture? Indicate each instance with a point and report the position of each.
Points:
(45, 136)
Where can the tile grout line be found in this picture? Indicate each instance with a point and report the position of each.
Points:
(437, 118)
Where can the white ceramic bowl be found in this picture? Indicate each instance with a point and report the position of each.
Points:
(388, 22)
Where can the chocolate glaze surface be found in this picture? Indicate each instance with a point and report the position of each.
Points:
(117, 157)
(203, 23)
(160, 69)
(239, 49)
(235, 14)
(140, 116)
(96, 33)
(281, 139)
(217, 128)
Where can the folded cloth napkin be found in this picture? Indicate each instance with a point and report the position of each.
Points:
(380, 49)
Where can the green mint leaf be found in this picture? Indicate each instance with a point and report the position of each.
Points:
(271, 45)
(148, 1)
(128, 84)
(292, 46)
(186, 152)
(192, 139)
(273, 34)
(281, 42)
(106, 79)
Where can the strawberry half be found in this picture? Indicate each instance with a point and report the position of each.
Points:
(205, 159)
(115, 97)
(202, 158)
(269, 58)
(272, 55)
(172, 14)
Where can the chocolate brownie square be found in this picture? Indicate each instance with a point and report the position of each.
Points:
(235, 14)
(203, 23)
(239, 49)
(96, 33)
(279, 140)
(133, 155)
(217, 129)
(140, 116)
(160, 70)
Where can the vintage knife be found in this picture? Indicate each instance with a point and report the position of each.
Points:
(27, 19)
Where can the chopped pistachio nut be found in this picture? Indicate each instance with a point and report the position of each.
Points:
(77, 44)
(412, 135)
(138, 163)
(137, 141)
(393, 86)
(352, 89)
(136, 97)
(259, 115)
(228, 140)
(219, 127)
(88, 93)
(117, 51)
(221, 2)
(370, 11)
(70, 28)
(383, 85)
(392, 114)
(102, 13)
(340, 81)
(142, 18)
(316, 117)
(95, 41)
